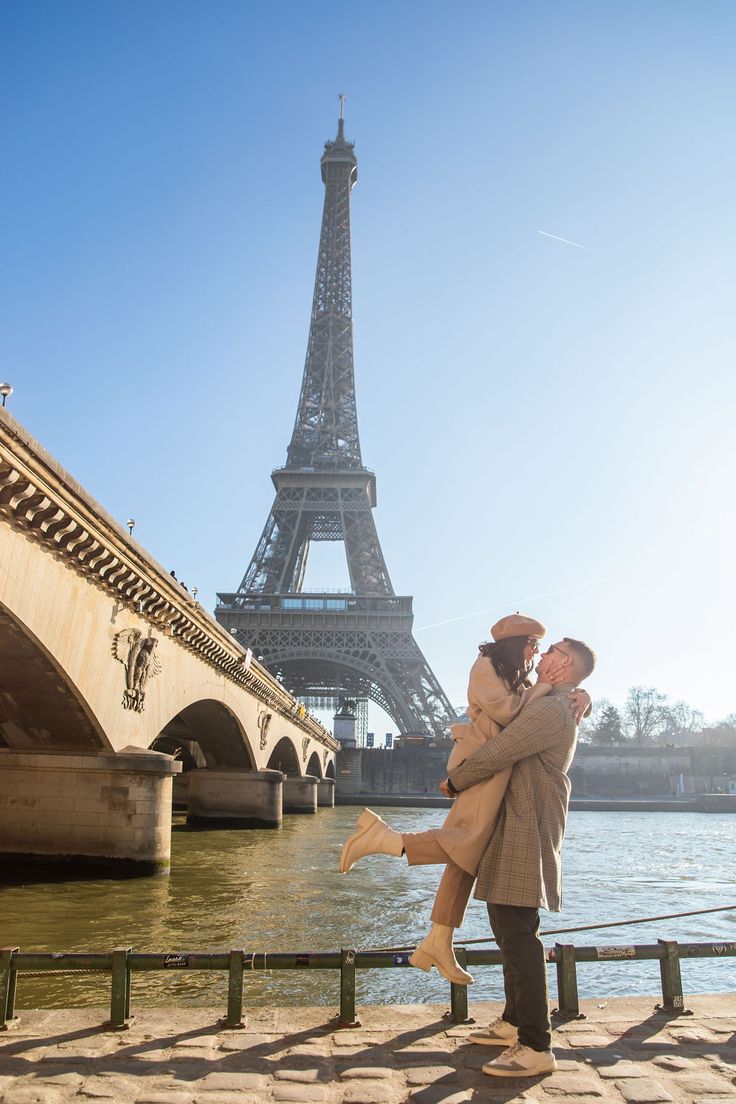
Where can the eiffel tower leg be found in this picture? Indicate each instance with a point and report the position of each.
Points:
(411, 679)
(367, 567)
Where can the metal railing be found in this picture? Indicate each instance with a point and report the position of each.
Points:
(123, 962)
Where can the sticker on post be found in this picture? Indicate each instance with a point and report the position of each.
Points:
(302, 959)
(400, 959)
(176, 960)
(615, 952)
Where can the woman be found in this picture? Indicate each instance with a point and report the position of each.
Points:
(498, 690)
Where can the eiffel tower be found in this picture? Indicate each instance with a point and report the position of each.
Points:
(327, 646)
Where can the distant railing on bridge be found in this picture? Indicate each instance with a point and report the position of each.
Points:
(123, 962)
(313, 601)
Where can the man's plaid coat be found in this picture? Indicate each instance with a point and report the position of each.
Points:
(522, 863)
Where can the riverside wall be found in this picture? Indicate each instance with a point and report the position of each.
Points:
(615, 773)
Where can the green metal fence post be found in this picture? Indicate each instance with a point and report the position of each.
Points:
(120, 989)
(459, 993)
(669, 971)
(347, 989)
(128, 981)
(235, 990)
(567, 980)
(7, 987)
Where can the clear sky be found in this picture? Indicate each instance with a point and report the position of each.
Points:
(551, 426)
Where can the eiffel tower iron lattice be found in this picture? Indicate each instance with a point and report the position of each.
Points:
(355, 644)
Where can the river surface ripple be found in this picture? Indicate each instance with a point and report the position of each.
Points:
(280, 891)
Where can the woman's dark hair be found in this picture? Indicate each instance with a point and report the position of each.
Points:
(507, 657)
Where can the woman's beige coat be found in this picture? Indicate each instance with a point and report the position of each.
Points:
(491, 706)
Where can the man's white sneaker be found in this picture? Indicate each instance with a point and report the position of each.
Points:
(521, 1061)
(498, 1033)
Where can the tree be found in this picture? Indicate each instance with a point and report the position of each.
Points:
(720, 735)
(608, 729)
(680, 723)
(644, 714)
(588, 725)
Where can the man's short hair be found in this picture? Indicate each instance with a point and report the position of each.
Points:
(585, 657)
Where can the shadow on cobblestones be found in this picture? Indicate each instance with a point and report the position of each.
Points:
(624, 1054)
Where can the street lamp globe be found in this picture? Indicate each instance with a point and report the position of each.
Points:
(131, 525)
(6, 390)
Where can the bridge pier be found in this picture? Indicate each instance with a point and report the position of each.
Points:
(232, 798)
(300, 794)
(108, 811)
(326, 793)
(350, 771)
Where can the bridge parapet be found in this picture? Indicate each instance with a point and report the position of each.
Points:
(41, 499)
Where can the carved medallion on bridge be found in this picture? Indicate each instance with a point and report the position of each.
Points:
(305, 748)
(325, 757)
(264, 721)
(137, 653)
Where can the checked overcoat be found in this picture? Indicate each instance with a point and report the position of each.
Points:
(522, 863)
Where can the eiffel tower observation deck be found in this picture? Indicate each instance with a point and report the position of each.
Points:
(330, 646)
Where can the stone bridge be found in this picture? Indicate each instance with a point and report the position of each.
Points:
(112, 677)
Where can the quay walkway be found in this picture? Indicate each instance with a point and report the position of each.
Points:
(625, 1051)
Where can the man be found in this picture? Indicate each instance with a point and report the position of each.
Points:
(520, 871)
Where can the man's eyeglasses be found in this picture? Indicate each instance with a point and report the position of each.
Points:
(556, 648)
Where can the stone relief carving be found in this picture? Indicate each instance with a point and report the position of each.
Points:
(305, 747)
(137, 654)
(325, 757)
(264, 721)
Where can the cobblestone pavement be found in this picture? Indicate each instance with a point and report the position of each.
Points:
(623, 1052)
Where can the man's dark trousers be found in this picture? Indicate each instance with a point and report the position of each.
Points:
(516, 931)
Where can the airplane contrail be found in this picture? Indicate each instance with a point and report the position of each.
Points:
(567, 241)
(517, 602)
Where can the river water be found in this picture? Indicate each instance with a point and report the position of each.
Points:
(280, 891)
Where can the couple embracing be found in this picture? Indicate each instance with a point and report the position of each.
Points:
(508, 775)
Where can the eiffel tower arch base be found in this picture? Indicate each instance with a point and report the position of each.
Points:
(355, 647)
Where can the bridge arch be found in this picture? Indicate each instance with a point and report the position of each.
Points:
(209, 731)
(330, 770)
(314, 766)
(284, 757)
(40, 705)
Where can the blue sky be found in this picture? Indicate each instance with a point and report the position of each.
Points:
(552, 427)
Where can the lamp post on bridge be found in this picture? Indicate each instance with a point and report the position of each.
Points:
(6, 390)
(131, 525)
